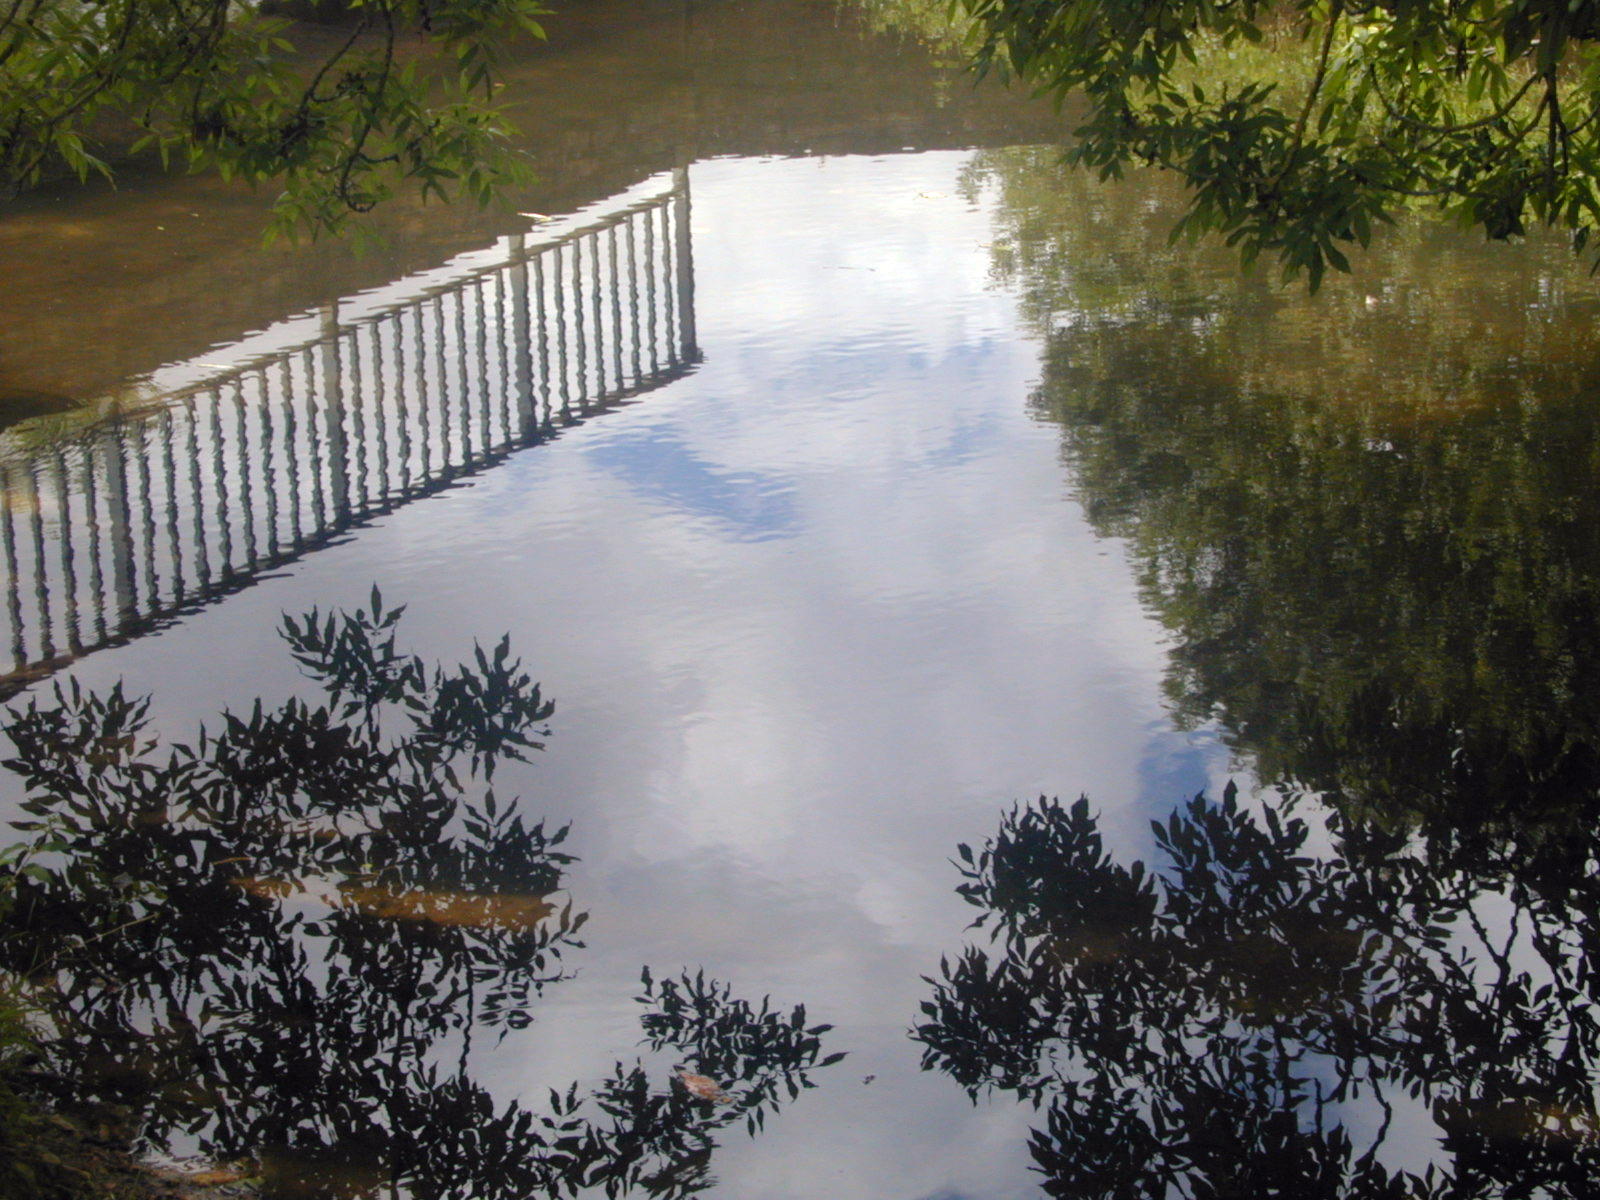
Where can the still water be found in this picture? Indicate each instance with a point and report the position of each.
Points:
(840, 495)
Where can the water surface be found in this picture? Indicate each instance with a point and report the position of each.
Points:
(950, 484)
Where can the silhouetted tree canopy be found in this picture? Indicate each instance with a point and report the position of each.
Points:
(1258, 1018)
(284, 937)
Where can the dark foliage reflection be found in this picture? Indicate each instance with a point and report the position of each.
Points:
(1401, 614)
(1258, 1018)
(1370, 521)
(282, 939)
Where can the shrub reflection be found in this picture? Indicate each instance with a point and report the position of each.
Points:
(281, 939)
(1257, 1019)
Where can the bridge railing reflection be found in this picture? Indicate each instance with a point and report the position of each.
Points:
(114, 529)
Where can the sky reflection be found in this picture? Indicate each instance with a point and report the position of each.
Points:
(770, 745)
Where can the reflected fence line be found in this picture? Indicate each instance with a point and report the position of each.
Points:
(110, 531)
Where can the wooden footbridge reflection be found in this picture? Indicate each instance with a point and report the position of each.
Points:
(113, 529)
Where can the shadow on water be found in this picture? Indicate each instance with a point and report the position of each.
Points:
(285, 939)
(1260, 1018)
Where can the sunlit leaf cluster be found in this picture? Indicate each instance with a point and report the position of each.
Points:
(1299, 128)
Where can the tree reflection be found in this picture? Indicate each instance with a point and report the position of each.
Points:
(1404, 616)
(1256, 1019)
(1371, 520)
(1371, 523)
(282, 938)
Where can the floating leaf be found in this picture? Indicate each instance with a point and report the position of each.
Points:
(703, 1087)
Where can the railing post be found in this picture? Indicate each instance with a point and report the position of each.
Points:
(41, 578)
(202, 556)
(617, 338)
(121, 532)
(689, 348)
(653, 304)
(558, 303)
(333, 409)
(8, 540)
(580, 369)
(71, 615)
(541, 416)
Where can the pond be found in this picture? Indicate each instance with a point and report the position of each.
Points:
(850, 479)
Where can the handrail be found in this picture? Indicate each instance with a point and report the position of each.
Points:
(122, 527)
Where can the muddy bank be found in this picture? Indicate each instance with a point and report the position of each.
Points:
(85, 1152)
